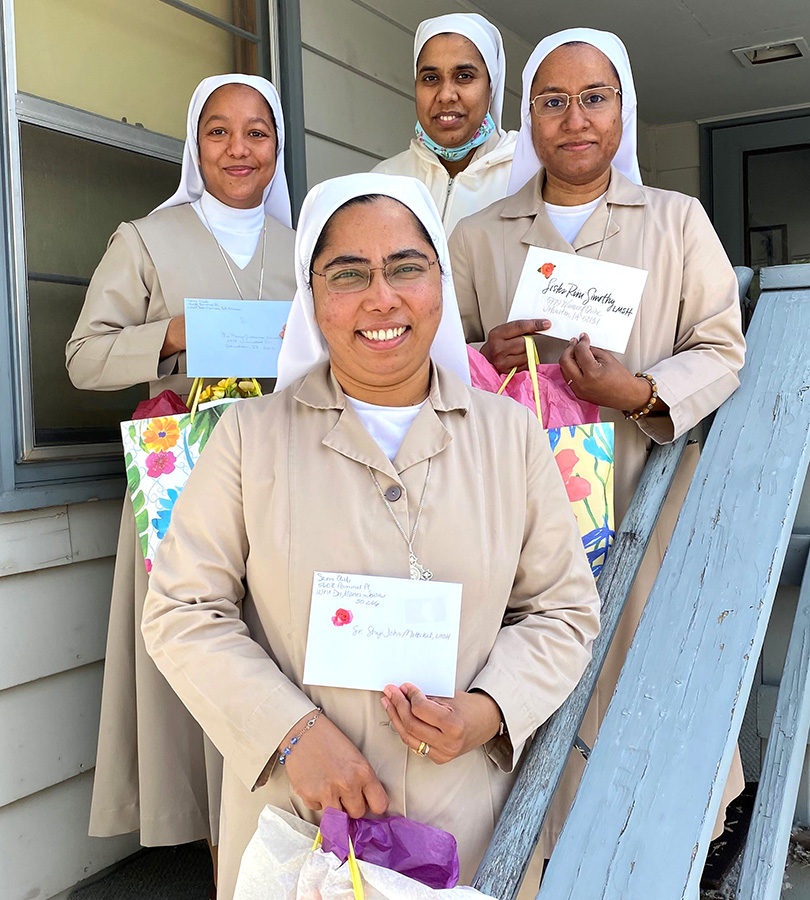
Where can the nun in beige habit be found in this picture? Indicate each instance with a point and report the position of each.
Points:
(224, 234)
(575, 187)
(374, 457)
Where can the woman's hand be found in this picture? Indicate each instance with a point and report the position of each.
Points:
(175, 339)
(326, 769)
(598, 377)
(450, 727)
(505, 347)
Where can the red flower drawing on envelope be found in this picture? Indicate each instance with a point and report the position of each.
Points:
(342, 617)
(546, 269)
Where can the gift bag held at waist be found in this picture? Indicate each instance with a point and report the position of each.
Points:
(162, 443)
(286, 860)
(582, 445)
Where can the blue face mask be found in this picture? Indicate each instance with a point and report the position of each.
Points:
(483, 133)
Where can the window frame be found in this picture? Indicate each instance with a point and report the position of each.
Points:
(32, 477)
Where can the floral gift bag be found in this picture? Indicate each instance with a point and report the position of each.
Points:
(160, 452)
(582, 445)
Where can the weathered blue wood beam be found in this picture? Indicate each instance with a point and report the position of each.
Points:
(504, 865)
(643, 817)
(767, 844)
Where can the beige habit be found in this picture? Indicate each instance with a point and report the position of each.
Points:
(687, 335)
(282, 491)
(155, 771)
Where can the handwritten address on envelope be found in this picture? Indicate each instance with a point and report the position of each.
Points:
(576, 294)
(227, 338)
(367, 631)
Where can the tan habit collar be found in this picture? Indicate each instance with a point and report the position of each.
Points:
(320, 390)
(427, 437)
(528, 203)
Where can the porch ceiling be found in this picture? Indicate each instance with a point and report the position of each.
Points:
(681, 49)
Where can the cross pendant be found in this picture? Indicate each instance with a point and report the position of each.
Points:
(418, 571)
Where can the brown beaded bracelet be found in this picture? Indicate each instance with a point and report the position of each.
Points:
(647, 409)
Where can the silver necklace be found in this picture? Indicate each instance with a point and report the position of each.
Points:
(263, 239)
(418, 571)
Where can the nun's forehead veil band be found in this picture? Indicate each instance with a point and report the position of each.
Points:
(486, 38)
(526, 164)
(276, 194)
(304, 347)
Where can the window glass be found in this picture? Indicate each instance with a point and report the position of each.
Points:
(132, 60)
(75, 193)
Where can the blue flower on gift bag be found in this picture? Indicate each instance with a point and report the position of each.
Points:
(597, 449)
(165, 506)
(596, 544)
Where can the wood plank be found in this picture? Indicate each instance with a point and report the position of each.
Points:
(49, 733)
(505, 862)
(325, 159)
(45, 844)
(358, 38)
(340, 106)
(94, 528)
(779, 278)
(34, 540)
(650, 794)
(795, 559)
(53, 620)
(766, 847)
(58, 535)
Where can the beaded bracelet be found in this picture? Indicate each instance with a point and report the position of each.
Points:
(647, 409)
(282, 757)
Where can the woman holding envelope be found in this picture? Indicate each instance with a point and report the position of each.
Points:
(576, 189)
(460, 151)
(374, 458)
(224, 234)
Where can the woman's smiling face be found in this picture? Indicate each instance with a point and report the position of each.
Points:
(237, 145)
(380, 336)
(578, 146)
(452, 89)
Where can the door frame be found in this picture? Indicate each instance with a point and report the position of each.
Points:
(723, 148)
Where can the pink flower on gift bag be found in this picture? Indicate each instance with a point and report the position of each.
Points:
(160, 463)
(342, 617)
(576, 487)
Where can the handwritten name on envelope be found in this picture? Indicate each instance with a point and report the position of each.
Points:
(366, 631)
(579, 294)
(227, 338)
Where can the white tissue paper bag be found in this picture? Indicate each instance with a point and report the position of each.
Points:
(280, 864)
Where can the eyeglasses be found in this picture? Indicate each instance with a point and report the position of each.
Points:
(594, 100)
(403, 274)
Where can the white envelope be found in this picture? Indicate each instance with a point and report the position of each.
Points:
(576, 294)
(227, 338)
(366, 632)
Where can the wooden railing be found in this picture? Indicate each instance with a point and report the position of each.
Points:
(642, 819)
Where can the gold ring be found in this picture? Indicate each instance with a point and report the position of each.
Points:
(423, 749)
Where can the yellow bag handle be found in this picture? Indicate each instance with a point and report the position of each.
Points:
(194, 396)
(534, 362)
(354, 869)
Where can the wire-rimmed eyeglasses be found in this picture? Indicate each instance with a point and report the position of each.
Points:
(594, 100)
(402, 274)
